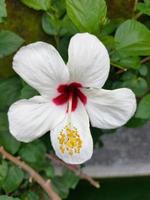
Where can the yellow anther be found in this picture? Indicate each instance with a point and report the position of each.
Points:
(69, 140)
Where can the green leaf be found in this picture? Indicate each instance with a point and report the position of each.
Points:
(9, 42)
(143, 70)
(54, 26)
(28, 92)
(135, 122)
(86, 14)
(70, 179)
(62, 184)
(49, 171)
(50, 24)
(133, 39)
(128, 75)
(124, 61)
(147, 2)
(3, 171)
(108, 41)
(10, 90)
(5, 197)
(137, 84)
(34, 154)
(6, 139)
(143, 110)
(111, 26)
(148, 75)
(58, 7)
(63, 47)
(68, 27)
(144, 7)
(30, 196)
(37, 4)
(13, 180)
(59, 187)
(130, 62)
(3, 12)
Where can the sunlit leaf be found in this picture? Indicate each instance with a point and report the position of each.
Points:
(37, 4)
(86, 14)
(133, 38)
(144, 7)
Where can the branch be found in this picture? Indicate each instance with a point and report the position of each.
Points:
(145, 59)
(46, 185)
(138, 15)
(118, 66)
(75, 169)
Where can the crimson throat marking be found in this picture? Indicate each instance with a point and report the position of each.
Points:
(70, 91)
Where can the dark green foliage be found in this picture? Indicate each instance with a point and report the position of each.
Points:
(62, 184)
(30, 196)
(34, 154)
(127, 39)
(143, 110)
(3, 172)
(9, 42)
(13, 179)
(4, 197)
(27, 92)
(10, 91)
(6, 140)
(114, 189)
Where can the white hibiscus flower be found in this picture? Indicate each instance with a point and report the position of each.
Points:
(71, 95)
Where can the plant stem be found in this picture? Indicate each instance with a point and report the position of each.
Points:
(56, 37)
(138, 15)
(75, 169)
(46, 185)
(135, 4)
(145, 59)
(118, 66)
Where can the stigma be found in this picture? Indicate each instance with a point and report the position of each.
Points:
(69, 140)
(67, 92)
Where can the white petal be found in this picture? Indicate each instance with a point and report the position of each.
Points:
(79, 120)
(41, 66)
(110, 109)
(30, 119)
(88, 61)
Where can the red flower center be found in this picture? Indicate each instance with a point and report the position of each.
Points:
(71, 92)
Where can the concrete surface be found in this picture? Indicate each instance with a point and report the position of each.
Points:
(125, 153)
